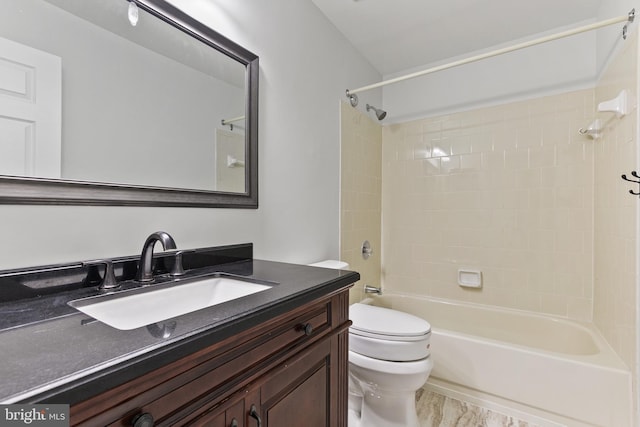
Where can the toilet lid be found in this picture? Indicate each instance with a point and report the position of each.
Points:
(386, 323)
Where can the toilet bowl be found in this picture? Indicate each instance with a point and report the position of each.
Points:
(389, 360)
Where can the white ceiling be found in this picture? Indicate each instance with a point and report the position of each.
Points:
(398, 35)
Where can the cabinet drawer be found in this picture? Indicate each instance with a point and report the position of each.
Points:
(247, 364)
(189, 389)
(243, 365)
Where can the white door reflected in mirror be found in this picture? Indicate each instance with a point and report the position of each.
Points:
(30, 117)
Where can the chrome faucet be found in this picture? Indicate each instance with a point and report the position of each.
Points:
(145, 267)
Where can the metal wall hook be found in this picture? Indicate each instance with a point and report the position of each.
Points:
(635, 175)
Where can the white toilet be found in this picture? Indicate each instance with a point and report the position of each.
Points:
(388, 362)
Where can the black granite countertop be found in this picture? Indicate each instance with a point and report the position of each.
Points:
(64, 356)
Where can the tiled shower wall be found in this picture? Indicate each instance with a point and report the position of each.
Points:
(511, 190)
(507, 190)
(361, 194)
(616, 211)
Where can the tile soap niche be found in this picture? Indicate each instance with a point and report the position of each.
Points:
(470, 278)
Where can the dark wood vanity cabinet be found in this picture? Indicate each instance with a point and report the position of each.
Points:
(290, 370)
(298, 393)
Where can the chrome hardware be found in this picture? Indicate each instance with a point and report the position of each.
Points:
(368, 289)
(253, 413)
(234, 423)
(632, 17)
(380, 113)
(366, 249)
(145, 267)
(108, 281)
(177, 269)
(353, 98)
(162, 330)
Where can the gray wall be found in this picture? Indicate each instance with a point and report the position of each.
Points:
(306, 65)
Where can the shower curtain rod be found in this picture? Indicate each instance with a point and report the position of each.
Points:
(626, 18)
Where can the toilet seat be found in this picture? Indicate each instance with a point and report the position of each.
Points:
(385, 323)
(387, 334)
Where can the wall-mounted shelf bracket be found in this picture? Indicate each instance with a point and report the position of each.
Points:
(618, 105)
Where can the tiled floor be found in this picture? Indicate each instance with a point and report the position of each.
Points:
(436, 410)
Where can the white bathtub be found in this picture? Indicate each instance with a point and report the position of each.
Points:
(551, 368)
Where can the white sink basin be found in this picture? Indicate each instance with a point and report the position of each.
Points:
(133, 309)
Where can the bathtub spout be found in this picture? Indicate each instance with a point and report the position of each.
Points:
(368, 289)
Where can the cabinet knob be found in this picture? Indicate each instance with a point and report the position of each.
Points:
(142, 420)
(253, 413)
(307, 328)
(234, 423)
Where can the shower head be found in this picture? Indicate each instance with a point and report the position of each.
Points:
(380, 114)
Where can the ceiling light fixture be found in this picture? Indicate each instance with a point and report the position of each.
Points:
(133, 13)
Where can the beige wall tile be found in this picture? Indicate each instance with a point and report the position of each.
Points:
(507, 197)
(615, 213)
(361, 190)
(512, 190)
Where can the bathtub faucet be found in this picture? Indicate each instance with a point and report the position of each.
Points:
(372, 290)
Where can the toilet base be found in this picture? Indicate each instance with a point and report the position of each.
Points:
(354, 419)
(398, 410)
(375, 408)
(385, 397)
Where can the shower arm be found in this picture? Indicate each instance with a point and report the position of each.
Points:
(628, 18)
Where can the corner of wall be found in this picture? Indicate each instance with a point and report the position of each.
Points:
(360, 195)
(616, 223)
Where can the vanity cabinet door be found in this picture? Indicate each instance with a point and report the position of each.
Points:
(305, 404)
(304, 390)
(308, 389)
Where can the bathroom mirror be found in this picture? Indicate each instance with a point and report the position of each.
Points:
(96, 110)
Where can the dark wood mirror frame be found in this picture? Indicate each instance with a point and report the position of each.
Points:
(42, 191)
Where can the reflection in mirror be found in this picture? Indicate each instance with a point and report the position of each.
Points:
(87, 96)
